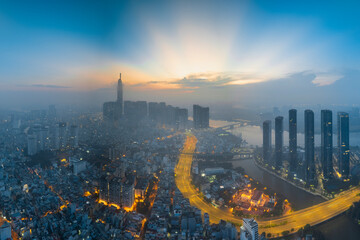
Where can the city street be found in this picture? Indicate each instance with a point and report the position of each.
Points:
(312, 215)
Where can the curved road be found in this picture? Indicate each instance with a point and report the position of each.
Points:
(295, 220)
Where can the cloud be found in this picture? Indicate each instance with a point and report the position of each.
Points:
(48, 86)
(326, 79)
(207, 80)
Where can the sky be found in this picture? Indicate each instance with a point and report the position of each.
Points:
(244, 53)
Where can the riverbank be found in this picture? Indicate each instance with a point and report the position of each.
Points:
(299, 199)
(284, 179)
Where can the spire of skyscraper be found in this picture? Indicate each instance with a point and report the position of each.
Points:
(119, 97)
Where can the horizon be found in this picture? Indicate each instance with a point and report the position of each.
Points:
(251, 54)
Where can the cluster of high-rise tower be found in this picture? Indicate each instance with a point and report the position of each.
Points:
(306, 166)
(158, 112)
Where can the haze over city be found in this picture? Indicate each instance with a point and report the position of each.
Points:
(179, 120)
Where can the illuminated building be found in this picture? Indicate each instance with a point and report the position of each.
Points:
(117, 191)
(278, 141)
(326, 143)
(293, 140)
(200, 117)
(267, 141)
(309, 146)
(249, 230)
(343, 143)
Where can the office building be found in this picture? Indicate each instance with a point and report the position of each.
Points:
(279, 132)
(309, 146)
(31, 145)
(200, 117)
(292, 140)
(249, 230)
(117, 190)
(135, 111)
(267, 141)
(157, 112)
(74, 136)
(111, 111)
(326, 143)
(62, 134)
(181, 118)
(78, 165)
(343, 144)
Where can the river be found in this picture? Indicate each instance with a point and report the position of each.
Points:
(253, 136)
(298, 198)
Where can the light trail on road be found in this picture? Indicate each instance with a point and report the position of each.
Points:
(276, 226)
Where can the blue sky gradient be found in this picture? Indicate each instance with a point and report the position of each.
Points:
(181, 49)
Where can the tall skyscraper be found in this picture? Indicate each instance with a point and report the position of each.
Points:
(112, 111)
(200, 116)
(267, 141)
(343, 144)
(120, 96)
(119, 90)
(309, 146)
(293, 140)
(279, 130)
(326, 143)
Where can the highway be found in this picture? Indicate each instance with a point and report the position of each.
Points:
(295, 220)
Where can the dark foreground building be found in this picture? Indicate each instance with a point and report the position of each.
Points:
(267, 141)
(326, 143)
(201, 117)
(292, 140)
(279, 130)
(309, 146)
(343, 144)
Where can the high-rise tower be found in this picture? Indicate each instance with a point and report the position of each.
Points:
(279, 130)
(120, 97)
(326, 143)
(120, 90)
(292, 140)
(343, 143)
(200, 117)
(267, 141)
(309, 146)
